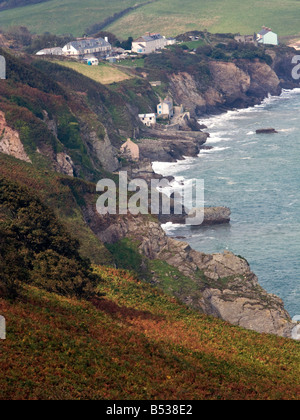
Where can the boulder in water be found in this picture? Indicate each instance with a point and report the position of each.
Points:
(266, 131)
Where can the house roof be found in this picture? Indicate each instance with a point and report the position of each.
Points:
(49, 51)
(264, 32)
(89, 43)
(148, 38)
(168, 101)
(146, 115)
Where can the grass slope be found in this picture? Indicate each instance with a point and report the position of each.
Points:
(104, 73)
(169, 17)
(172, 17)
(136, 343)
(62, 17)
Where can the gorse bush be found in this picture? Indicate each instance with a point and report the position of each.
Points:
(35, 248)
(12, 265)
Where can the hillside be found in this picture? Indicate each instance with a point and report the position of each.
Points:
(64, 17)
(165, 16)
(12, 4)
(60, 348)
(77, 334)
(105, 74)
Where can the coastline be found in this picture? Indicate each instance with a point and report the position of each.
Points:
(223, 115)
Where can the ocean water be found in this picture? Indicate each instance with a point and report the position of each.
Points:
(258, 177)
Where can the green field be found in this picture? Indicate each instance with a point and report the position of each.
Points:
(63, 17)
(169, 17)
(104, 73)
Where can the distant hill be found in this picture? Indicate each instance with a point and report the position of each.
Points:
(170, 18)
(12, 4)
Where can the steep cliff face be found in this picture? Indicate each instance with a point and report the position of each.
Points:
(101, 149)
(10, 143)
(225, 285)
(55, 126)
(236, 84)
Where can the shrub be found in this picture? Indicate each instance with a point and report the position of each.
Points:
(13, 272)
(62, 275)
(39, 250)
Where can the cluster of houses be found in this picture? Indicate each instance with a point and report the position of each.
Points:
(165, 110)
(91, 50)
(266, 37)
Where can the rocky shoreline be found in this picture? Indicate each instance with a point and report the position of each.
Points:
(230, 291)
(221, 285)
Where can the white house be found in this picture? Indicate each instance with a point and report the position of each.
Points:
(166, 108)
(149, 43)
(85, 46)
(148, 119)
(267, 37)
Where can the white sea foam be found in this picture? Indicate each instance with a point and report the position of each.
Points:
(287, 130)
(168, 168)
(224, 186)
(213, 150)
(216, 139)
(218, 120)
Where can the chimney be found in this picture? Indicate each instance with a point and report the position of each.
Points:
(106, 39)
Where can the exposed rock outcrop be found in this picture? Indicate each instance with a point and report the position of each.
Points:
(212, 216)
(51, 124)
(103, 150)
(266, 131)
(10, 143)
(170, 147)
(229, 290)
(64, 164)
(236, 84)
(235, 295)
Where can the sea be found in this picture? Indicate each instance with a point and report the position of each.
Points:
(258, 177)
